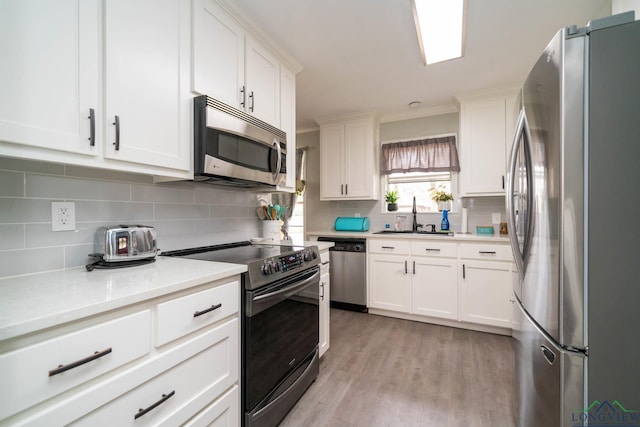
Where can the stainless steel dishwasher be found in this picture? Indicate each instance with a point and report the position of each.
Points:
(348, 273)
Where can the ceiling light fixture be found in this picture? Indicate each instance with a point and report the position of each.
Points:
(440, 28)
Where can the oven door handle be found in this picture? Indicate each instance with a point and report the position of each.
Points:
(291, 289)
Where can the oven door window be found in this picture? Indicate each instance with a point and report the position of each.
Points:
(280, 332)
(242, 151)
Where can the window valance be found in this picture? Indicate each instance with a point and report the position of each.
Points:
(422, 155)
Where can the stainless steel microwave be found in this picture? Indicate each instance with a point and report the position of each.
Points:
(234, 148)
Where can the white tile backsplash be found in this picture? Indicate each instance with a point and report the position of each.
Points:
(185, 214)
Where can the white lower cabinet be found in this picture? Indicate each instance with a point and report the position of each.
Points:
(466, 284)
(194, 377)
(434, 288)
(325, 303)
(486, 293)
(389, 283)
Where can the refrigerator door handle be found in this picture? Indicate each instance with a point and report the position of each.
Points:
(522, 134)
(549, 355)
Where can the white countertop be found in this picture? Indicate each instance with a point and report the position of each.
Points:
(495, 238)
(37, 301)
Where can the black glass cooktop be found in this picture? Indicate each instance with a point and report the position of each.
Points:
(237, 253)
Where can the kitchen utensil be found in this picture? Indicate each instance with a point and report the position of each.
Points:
(266, 212)
(260, 212)
(273, 213)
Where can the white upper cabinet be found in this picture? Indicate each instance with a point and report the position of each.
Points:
(288, 124)
(486, 128)
(262, 83)
(49, 74)
(147, 96)
(348, 159)
(218, 54)
(232, 66)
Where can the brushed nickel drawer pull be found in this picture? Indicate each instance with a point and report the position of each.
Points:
(487, 252)
(432, 250)
(207, 310)
(62, 368)
(165, 397)
(388, 247)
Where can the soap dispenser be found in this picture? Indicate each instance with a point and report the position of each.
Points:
(444, 226)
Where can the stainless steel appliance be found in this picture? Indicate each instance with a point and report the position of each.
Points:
(572, 199)
(123, 245)
(234, 148)
(348, 273)
(280, 324)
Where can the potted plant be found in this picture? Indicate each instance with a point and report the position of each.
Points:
(442, 198)
(391, 197)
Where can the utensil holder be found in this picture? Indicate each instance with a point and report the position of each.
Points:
(271, 230)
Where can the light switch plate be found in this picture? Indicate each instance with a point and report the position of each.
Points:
(63, 216)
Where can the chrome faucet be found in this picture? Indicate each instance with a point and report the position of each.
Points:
(415, 226)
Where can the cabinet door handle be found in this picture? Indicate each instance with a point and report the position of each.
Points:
(503, 182)
(464, 276)
(62, 368)
(116, 123)
(207, 310)
(253, 101)
(164, 398)
(346, 189)
(322, 294)
(92, 127)
(487, 252)
(405, 267)
(342, 189)
(432, 250)
(414, 267)
(243, 92)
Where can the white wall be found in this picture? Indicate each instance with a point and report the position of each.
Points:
(619, 6)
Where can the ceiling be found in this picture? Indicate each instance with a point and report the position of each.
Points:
(363, 55)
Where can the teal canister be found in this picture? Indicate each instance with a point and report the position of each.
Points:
(344, 223)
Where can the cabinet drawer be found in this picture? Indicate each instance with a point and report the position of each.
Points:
(184, 315)
(486, 251)
(388, 246)
(223, 412)
(434, 248)
(180, 391)
(31, 371)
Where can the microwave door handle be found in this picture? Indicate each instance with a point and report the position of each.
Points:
(278, 159)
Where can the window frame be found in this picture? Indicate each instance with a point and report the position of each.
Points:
(384, 179)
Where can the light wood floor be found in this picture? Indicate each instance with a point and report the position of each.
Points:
(381, 371)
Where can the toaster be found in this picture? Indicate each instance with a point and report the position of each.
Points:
(125, 243)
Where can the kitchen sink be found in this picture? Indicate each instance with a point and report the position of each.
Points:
(435, 233)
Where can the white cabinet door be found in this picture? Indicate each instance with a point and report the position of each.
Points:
(486, 292)
(483, 147)
(262, 78)
(358, 174)
(325, 319)
(147, 82)
(434, 287)
(49, 74)
(389, 283)
(218, 54)
(331, 162)
(288, 124)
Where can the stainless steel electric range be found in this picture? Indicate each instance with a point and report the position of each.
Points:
(280, 322)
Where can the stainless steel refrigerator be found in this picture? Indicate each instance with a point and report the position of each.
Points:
(573, 205)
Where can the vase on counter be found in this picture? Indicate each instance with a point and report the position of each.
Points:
(271, 230)
(391, 207)
(444, 206)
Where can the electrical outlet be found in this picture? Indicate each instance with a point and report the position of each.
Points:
(495, 218)
(63, 216)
